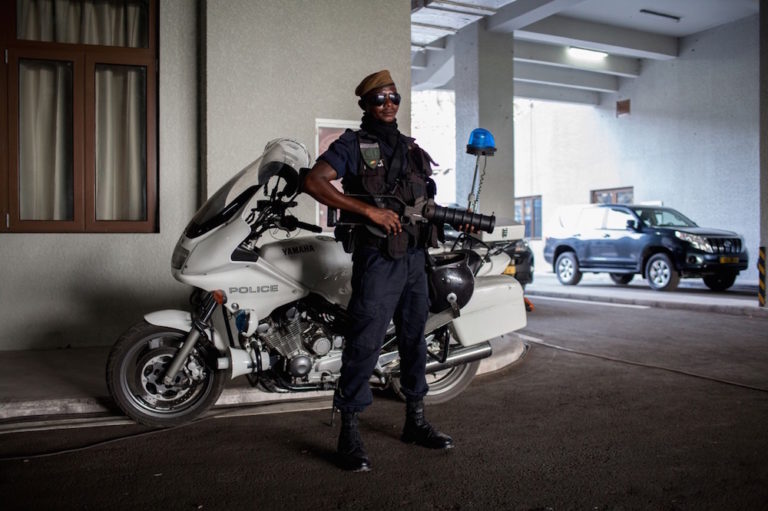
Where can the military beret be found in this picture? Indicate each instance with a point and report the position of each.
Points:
(374, 81)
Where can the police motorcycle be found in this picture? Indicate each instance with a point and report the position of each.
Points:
(281, 305)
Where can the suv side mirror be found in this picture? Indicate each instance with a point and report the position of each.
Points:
(632, 225)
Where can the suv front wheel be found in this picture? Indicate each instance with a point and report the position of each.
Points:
(661, 274)
(567, 269)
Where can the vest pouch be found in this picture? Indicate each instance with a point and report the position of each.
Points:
(375, 181)
(374, 176)
(345, 234)
(397, 245)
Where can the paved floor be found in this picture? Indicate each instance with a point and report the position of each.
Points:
(648, 416)
(72, 382)
(692, 294)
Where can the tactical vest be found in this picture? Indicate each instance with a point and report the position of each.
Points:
(371, 182)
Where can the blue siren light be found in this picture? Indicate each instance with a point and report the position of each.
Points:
(481, 142)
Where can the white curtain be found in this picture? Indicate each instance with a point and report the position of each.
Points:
(45, 140)
(120, 143)
(103, 22)
(120, 107)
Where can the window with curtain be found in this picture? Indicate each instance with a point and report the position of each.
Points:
(81, 139)
(528, 213)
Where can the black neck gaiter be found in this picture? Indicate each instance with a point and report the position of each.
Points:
(385, 131)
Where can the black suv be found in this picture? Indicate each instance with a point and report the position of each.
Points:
(659, 243)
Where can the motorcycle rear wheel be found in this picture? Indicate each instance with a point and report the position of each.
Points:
(446, 384)
(136, 366)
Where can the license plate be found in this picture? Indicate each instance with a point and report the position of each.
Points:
(729, 260)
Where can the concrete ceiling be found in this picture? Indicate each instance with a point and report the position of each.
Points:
(628, 31)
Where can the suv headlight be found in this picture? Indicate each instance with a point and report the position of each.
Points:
(698, 242)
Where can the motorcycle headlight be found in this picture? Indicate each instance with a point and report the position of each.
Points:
(698, 242)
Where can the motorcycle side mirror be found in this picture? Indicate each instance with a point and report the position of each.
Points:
(291, 178)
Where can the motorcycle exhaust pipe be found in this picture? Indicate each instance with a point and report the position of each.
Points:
(461, 356)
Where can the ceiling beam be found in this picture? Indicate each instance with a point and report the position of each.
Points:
(550, 93)
(434, 69)
(526, 51)
(438, 45)
(418, 60)
(443, 18)
(559, 76)
(521, 13)
(599, 36)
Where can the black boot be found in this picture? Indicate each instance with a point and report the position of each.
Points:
(351, 452)
(418, 431)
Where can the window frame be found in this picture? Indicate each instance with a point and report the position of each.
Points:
(84, 57)
(14, 199)
(614, 194)
(91, 223)
(532, 199)
(5, 27)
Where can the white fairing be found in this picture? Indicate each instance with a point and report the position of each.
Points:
(319, 263)
(496, 308)
(180, 320)
(495, 265)
(253, 283)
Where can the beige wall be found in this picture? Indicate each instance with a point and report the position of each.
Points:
(274, 66)
(84, 289)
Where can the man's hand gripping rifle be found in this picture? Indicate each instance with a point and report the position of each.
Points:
(426, 210)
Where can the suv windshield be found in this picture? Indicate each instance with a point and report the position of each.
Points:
(663, 217)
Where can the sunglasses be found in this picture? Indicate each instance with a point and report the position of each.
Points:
(381, 98)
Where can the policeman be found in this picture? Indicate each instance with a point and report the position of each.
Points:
(389, 278)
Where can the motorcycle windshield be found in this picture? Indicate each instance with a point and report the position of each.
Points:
(281, 156)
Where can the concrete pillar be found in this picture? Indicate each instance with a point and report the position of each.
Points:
(496, 115)
(466, 84)
(484, 99)
(763, 142)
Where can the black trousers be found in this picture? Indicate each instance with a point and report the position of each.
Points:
(384, 289)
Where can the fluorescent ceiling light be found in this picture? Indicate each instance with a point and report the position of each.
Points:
(664, 15)
(583, 53)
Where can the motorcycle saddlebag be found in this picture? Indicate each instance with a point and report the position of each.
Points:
(496, 308)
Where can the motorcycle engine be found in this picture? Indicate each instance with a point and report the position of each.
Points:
(298, 340)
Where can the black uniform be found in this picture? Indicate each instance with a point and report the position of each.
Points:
(389, 279)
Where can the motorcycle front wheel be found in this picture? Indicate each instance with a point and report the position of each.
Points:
(135, 370)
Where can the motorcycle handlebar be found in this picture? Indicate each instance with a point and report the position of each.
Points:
(458, 218)
(292, 223)
(310, 227)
